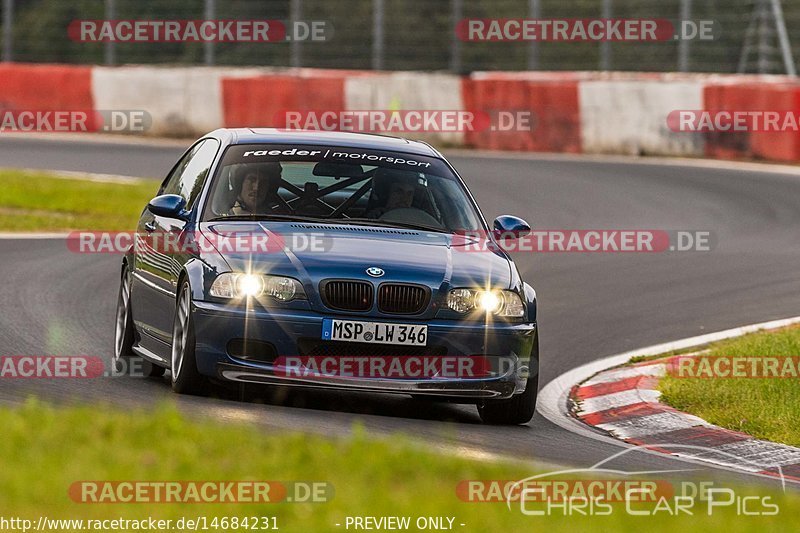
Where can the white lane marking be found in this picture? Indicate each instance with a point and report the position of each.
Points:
(94, 176)
(617, 399)
(625, 373)
(32, 236)
(82, 176)
(552, 399)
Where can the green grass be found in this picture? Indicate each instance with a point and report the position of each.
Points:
(643, 358)
(39, 201)
(45, 449)
(764, 408)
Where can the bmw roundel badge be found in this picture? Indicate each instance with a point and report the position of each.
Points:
(375, 272)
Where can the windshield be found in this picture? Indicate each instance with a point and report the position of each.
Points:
(340, 185)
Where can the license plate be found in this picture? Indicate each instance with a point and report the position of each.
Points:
(374, 332)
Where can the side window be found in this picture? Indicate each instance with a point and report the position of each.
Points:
(189, 175)
(171, 183)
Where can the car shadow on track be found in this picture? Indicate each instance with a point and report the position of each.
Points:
(392, 405)
(359, 403)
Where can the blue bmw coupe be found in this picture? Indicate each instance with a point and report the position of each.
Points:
(330, 260)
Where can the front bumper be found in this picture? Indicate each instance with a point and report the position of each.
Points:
(501, 387)
(508, 346)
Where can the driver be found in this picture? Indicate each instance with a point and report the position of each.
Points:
(400, 194)
(256, 187)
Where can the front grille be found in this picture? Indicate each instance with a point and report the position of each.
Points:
(319, 348)
(347, 295)
(402, 299)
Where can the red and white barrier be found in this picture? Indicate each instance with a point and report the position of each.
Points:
(573, 112)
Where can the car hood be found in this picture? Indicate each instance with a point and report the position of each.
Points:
(314, 252)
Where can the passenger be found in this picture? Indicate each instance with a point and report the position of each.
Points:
(396, 191)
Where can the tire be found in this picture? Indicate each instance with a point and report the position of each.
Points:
(516, 410)
(185, 377)
(123, 331)
(124, 337)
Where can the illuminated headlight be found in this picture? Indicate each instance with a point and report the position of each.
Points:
(498, 303)
(233, 285)
(249, 285)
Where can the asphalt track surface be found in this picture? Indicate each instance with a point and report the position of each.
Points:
(590, 305)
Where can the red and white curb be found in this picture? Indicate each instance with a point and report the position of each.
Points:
(619, 404)
(624, 402)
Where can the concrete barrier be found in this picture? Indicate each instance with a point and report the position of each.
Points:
(263, 101)
(550, 101)
(398, 91)
(778, 146)
(753, 95)
(629, 117)
(45, 87)
(183, 102)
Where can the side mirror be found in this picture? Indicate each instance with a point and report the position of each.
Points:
(169, 206)
(507, 226)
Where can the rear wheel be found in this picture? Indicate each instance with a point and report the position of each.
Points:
(124, 338)
(123, 332)
(185, 377)
(518, 409)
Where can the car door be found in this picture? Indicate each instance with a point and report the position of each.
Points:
(158, 261)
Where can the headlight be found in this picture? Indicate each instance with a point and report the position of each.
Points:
(233, 285)
(498, 303)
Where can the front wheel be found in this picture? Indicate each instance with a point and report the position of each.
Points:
(518, 409)
(185, 377)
